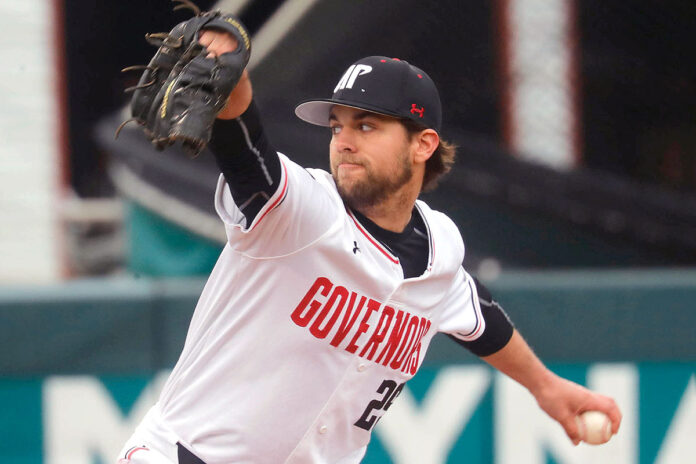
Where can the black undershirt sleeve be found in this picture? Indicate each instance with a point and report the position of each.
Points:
(498, 329)
(247, 160)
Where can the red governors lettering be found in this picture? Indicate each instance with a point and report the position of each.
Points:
(394, 341)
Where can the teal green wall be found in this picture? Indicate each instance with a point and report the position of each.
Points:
(159, 248)
(118, 334)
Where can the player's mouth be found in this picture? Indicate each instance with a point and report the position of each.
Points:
(348, 162)
(350, 165)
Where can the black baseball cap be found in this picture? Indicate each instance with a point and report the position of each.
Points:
(382, 85)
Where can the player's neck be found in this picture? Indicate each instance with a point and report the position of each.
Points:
(393, 213)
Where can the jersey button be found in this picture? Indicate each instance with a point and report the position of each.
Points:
(323, 429)
(361, 367)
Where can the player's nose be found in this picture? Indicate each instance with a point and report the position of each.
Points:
(344, 140)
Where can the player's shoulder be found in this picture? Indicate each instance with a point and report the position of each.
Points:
(321, 176)
(316, 174)
(438, 218)
(326, 180)
(308, 178)
(443, 229)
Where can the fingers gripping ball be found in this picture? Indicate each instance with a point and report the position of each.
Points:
(594, 427)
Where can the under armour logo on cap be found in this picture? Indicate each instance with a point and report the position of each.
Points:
(415, 109)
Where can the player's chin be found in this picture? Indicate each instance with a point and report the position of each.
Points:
(350, 176)
(345, 189)
(348, 173)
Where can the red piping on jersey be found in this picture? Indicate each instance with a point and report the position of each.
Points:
(430, 237)
(479, 317)
(478, 329)
(373, 241)
(132, 451)
(280, 197)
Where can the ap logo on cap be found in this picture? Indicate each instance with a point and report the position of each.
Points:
(350, 75)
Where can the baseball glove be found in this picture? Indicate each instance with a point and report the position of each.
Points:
(181, 90)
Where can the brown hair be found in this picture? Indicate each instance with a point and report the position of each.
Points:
(439, 164)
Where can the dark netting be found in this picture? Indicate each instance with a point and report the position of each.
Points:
(635, 100)
(639, 89)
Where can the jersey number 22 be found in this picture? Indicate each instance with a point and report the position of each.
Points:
(389, 390)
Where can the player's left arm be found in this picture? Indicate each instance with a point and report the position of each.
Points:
(561, 399)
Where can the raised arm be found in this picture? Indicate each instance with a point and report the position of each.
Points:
(248, 162)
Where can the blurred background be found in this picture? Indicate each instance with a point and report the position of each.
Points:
(574, 190)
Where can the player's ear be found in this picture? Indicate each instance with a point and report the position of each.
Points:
(426, 142)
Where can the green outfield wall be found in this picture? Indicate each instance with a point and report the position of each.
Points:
(81, 362)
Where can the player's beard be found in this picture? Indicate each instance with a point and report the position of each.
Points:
(374, 187)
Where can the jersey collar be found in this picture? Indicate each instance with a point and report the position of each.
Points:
(364, 225)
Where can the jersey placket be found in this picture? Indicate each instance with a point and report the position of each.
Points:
(332, 432)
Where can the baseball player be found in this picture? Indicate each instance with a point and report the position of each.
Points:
(331, 285)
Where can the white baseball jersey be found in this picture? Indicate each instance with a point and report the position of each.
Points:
(306, 330)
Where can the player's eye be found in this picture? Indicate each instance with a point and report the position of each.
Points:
(335, 130)
(365, 127)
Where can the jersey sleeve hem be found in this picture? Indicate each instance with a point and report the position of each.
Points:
(480, 322)
(499, 328)
(237, 221)
(462, 316)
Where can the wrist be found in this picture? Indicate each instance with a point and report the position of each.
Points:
(542, 383)
(239, 99)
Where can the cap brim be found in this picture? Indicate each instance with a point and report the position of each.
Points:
(317, 111)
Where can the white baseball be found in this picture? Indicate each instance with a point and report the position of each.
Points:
(594, 427)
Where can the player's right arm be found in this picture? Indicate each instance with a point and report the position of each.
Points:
(270, 205)
(249, 163)
(246, 159)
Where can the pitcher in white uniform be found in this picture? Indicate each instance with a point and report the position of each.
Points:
(331, 286)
